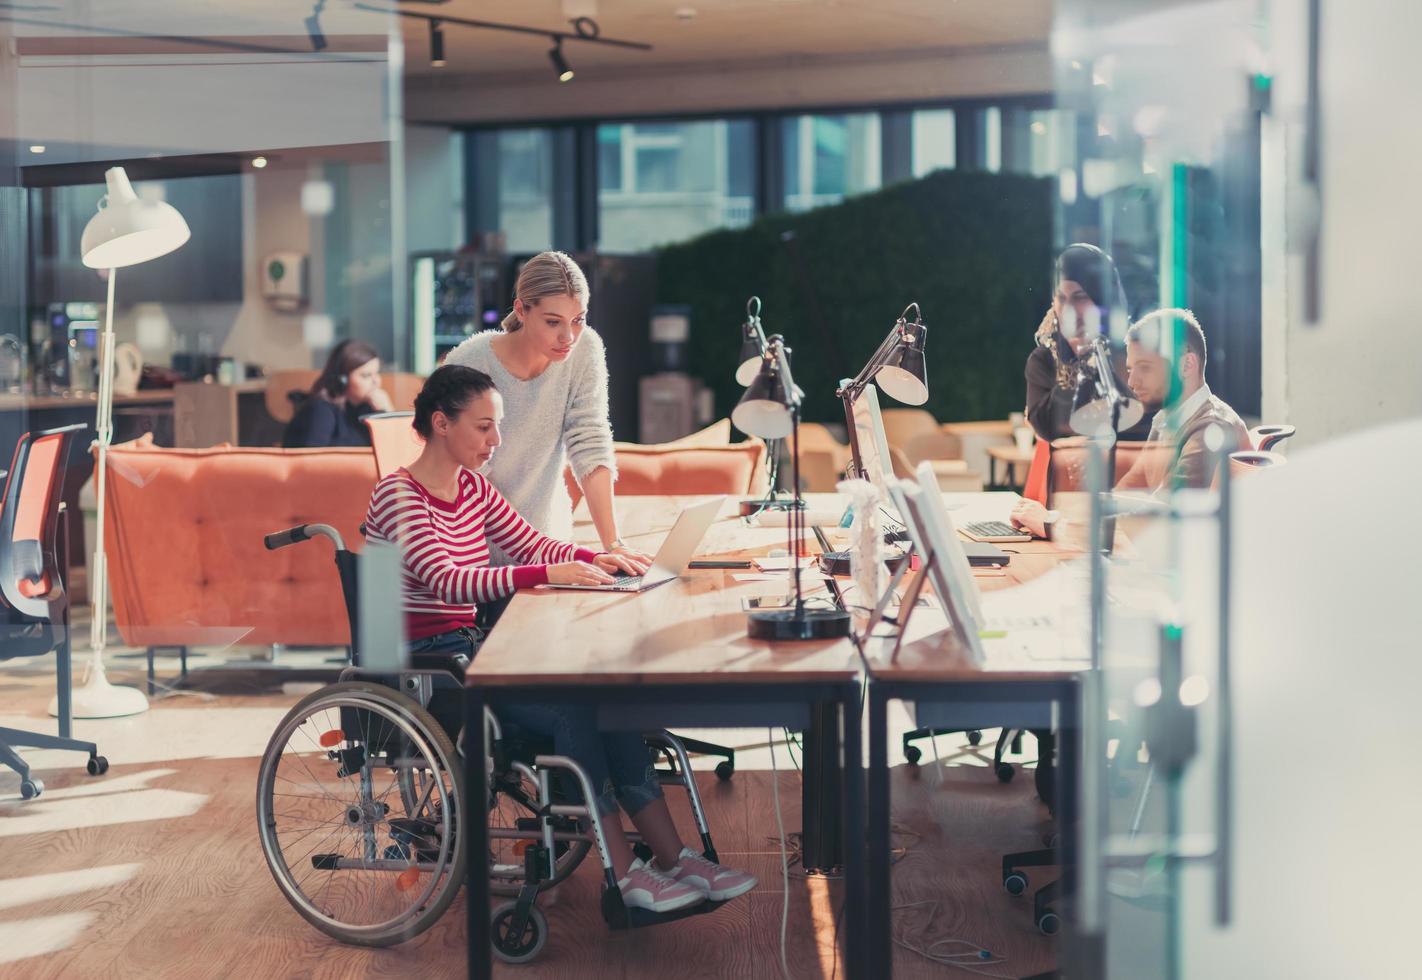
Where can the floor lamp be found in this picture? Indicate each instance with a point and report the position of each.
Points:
(125, 231)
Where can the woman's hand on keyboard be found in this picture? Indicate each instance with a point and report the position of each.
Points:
(618, 561)
(577, 573)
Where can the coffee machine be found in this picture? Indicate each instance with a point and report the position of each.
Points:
(68, 356)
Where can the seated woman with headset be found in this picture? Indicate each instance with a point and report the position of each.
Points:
(443, 514)
(347, 389)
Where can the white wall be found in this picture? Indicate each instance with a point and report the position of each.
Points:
(1361, 365)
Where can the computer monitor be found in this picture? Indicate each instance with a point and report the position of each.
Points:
(956, 557)
(868, 443)
(931, 538)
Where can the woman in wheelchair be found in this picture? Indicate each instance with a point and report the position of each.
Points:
(442, 513)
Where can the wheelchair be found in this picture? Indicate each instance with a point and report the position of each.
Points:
(360, 798)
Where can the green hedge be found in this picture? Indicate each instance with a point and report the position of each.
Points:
(974, 250)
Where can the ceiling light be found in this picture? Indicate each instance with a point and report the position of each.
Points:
(259, 162)
(37, 148)
(436, 45)
(560, 64)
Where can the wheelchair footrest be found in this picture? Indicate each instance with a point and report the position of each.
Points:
(641, 918)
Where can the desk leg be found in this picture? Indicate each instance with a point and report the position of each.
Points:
(879, 915)
(856, 885)
(821, 792)
(476, 822)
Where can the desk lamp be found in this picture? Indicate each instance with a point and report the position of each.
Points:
(897, 368)
(753, 347)
(770, 409)
(1099, 402)
(126, 231)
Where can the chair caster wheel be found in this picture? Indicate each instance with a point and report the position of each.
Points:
(1005, 771)
(642, 851)
(518, 949)
(912, 754)
(31, 788)
(98, 765)
(975, 738)
(1049, 923)
(1015, 883)
(725, 770)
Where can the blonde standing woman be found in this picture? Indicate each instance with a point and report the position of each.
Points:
(551, 369)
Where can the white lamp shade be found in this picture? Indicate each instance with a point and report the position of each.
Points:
(902, 385)
(128, 230)
(764, 418)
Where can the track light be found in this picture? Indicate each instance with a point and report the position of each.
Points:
(560, 64)
(436, 45)
(313, 27)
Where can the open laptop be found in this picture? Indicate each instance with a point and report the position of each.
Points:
(671, 558)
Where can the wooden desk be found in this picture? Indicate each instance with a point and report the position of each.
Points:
(976, 437)
(1011, 457)
(934, 671)
(676, 655)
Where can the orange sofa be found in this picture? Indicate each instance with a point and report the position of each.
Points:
(672, 469)
(183, 533)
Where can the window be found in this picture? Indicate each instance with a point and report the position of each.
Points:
(935, 141)
(525, 175)
(829, 158)
(992, 139)
(669, 181)
(1051, 141)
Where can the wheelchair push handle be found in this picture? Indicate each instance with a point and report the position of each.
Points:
(303, 532)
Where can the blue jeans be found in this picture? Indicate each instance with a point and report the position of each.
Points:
(464, 642)
(619, 765)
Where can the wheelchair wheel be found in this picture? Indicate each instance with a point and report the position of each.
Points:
(358, 801)
(515, 808)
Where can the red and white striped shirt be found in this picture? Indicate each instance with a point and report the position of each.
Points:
(446, 567)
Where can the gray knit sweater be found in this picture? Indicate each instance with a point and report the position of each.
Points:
(559, 416)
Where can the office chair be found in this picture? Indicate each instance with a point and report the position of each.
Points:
(1270, 437)
(394, 441)
(34, 601)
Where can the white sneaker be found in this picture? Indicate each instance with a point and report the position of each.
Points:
(647, 888)
(717, 883)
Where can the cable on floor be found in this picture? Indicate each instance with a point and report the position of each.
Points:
(970, 958)
(784, 861)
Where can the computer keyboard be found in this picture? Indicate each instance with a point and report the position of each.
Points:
(993, 529)
(626, 583)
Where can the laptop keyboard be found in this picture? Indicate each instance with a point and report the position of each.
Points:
(626, 583)
(994, 529)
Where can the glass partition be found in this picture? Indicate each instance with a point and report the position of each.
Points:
(1152, 146)
(198, 203)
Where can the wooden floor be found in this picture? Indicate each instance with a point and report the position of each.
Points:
(154, 871)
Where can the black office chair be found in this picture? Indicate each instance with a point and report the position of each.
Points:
(34, 600)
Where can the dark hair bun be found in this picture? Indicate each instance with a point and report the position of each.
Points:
(449, 389)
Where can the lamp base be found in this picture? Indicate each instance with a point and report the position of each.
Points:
(750, 507)
(804, 624)
(100, 699)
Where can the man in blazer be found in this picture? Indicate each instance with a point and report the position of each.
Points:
(1165, 369)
